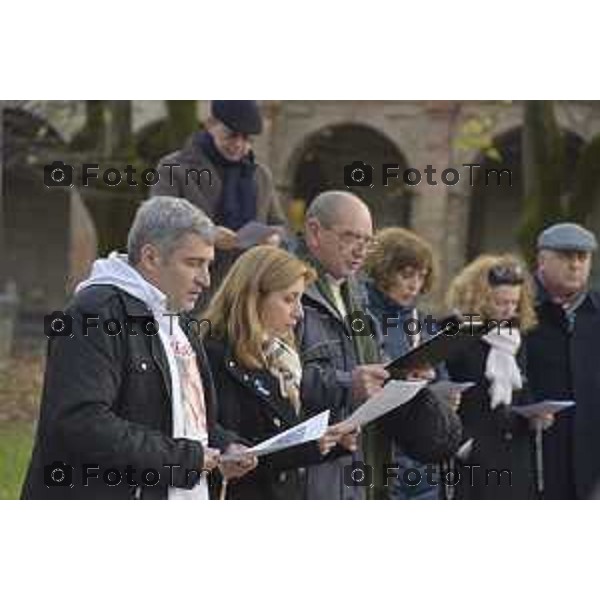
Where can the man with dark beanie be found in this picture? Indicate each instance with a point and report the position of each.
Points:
(216, 170)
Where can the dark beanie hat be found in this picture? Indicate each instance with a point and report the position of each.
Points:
(242, 116)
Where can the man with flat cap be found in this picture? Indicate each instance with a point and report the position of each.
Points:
(563, 359)
(238, 190)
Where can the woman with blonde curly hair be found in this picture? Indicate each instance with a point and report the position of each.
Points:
(497, 290)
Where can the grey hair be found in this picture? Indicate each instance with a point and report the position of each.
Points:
(162, 221)
(327, 206)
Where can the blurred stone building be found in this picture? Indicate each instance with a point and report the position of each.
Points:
(50, 235)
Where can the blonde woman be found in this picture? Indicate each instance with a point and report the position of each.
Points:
(498, 290)
(257, 370)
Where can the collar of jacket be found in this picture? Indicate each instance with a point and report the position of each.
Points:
(543, 297)
(381, 302)
(262, 384)
(353, 293)
(313, 293)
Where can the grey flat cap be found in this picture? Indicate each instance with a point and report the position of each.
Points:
(567, 236)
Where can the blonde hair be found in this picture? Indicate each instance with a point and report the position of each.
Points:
(470, 291)
(234, 312)
(396, 248)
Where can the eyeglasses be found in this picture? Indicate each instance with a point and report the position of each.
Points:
(506, 275)
(351, 238)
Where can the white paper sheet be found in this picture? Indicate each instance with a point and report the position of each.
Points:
(395, 393)
(307, 431)
(547, 406)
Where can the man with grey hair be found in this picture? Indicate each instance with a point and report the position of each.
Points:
(128, 403)
(562, 359)
(341, 354)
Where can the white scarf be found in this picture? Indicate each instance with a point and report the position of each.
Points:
(116, 270)
(501, 368)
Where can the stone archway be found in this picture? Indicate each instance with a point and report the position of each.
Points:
(318, 165)
(496, 210)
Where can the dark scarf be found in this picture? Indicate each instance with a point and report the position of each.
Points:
(237, 204)
(543, 298)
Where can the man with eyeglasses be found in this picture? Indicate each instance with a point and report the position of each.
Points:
(562, 359)
(340, 347)
(217, 172)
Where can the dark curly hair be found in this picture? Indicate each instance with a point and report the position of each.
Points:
(396, 248)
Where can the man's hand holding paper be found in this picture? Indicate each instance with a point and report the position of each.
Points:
(238, 467)
(343, 434)
(368, 380)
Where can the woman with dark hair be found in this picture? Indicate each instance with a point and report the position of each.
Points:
(257, 370)
(401, 268)
(499, 465)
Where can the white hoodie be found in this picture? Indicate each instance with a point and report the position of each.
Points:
(116, 270)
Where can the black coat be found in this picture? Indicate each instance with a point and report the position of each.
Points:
(502, 439)
(107, 401)
(564, 364)
(250, 403)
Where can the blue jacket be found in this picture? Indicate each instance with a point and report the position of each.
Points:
(390, 318)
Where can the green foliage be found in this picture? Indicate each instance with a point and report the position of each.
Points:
(16, 440)
(476, 134)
